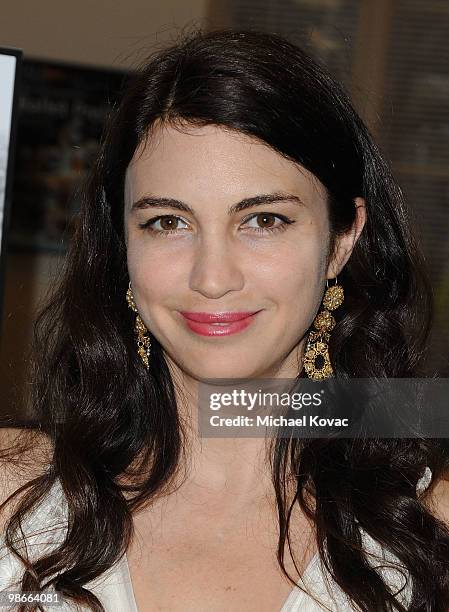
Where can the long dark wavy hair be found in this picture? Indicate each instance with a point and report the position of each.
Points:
(107, 416)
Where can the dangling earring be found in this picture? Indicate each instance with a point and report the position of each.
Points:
(316, 356)
(143, 335)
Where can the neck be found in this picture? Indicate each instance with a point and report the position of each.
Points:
(224, 467)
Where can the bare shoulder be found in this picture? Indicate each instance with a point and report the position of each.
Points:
(24, 455)
(437, 500)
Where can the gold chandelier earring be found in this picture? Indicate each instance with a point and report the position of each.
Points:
(316, 356)
(142, 333)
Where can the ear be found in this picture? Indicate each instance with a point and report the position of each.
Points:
(345, 243)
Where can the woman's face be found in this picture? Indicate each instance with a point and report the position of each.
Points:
(268, 258)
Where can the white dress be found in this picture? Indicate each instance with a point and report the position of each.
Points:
(114, 587)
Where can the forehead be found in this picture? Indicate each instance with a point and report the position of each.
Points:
(206, 159)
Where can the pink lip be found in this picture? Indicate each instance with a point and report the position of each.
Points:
(203, 323)
(216, 317)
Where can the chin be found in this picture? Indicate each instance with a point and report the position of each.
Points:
(233, 373)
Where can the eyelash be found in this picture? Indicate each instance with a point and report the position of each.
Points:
(260, 230)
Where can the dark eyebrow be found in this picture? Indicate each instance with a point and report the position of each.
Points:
(150, 201)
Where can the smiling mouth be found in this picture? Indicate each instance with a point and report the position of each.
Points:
(218, 317)
(206, 324)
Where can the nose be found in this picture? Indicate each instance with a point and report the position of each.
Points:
(216, 268)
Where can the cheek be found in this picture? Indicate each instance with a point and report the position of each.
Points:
(295, 265)
(300, 289)
(154, 274)
(294, 279)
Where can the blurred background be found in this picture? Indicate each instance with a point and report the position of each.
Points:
(392, 57)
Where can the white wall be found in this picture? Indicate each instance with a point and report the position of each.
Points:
(100, 32)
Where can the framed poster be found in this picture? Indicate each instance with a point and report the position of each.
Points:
(63, 108)
(10, 60)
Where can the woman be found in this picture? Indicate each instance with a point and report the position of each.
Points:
(236, 177)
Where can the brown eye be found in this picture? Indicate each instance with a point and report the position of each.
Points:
(266, 223)
(266, 219)
(168, 223)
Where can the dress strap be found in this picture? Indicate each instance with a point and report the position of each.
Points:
(424, 481)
